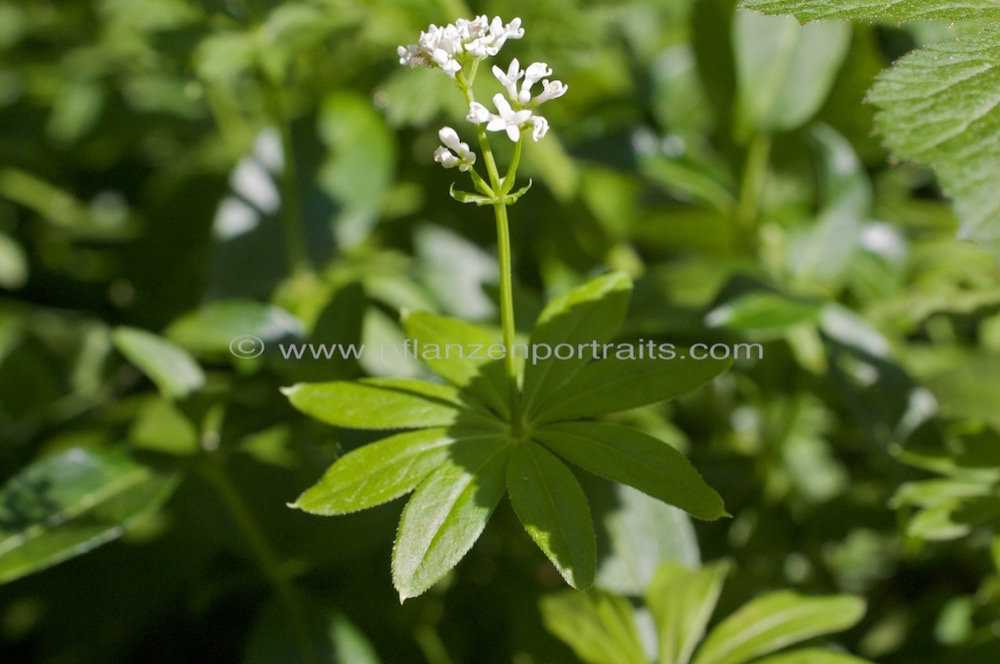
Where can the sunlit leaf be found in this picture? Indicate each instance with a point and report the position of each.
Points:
(447, 514)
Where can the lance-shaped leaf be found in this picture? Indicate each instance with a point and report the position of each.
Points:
(885, 10)
(941, 106)
(682, 601)
(467, 197)
(598, 626)
(812, 656)
(553, 509)
(784, 70)
(631, 457)
(383, 403)
(168, 365)
(613, 385)
(590, 313)
(447, 514)
(379, 472)
(459, 352)
(67, 504)
(775, 621)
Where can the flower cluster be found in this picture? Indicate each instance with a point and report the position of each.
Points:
(450, 46)
(454, 152)
(513, 118)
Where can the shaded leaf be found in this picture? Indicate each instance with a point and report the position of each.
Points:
(812, 656)
(212, 328)
(631, 457)
(612, 385)
(175, 372)
(784, 70)
(591, 312)
(459, 352)
(553, 509)
(68, 504)
(637, 534)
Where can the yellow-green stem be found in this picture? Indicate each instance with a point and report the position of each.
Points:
(291, 212)
(754, 176)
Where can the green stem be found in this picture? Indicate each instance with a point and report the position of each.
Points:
(501, 187)
(507, 312)
(214, 472)
(295, 239)
(754, 176)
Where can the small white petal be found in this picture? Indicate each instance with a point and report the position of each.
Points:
(496, 124)
(514, 132)
(449, 137)
(444, 157)
(540, 126)
(478, 113)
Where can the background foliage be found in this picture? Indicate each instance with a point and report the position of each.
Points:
(154, 162)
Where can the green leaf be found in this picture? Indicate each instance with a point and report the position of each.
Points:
(613, 385)
(553, 509)
(940, 107)
(466, 197)
(459, 352)
(812, 656)
(775, 621)
(384, 403)
(631, 457)
(592, 312)
(784, 70)
(13, 263)
(598, 626)
(379, 472)
(212, 328)
(361, 164)
(823, 253)
(764, 314)
(447, 514)
(637, 534)
(67, 504)
(175, 372)
(682, 601)
(873, 10)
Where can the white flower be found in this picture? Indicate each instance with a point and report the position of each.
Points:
(535, 72)
(478, 114)
(446, 47)
(509, 78)
(508, 120)
(454, 152)
(551, 90)
(539, 127)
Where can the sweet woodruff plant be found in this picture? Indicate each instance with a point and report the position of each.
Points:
(494, 423)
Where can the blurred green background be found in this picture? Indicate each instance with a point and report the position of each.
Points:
(154, 155)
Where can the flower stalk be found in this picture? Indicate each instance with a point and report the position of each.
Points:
(457, 50)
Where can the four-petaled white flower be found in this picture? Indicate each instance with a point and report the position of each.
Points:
(454, 152)
(507, 120)
(509, 78)
(446, 47)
